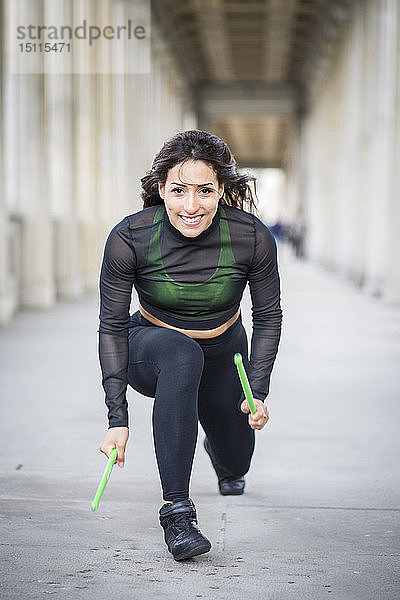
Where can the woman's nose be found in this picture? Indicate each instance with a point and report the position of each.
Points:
(191, 203)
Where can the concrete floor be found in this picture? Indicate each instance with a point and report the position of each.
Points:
(320, 516)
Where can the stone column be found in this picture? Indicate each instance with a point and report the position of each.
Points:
(119, 109)
(5, 308)
(10, 181)
(383, 41)
(59, 141)
(392, 283)
(37, 252)
(85, 167)
(106, 194)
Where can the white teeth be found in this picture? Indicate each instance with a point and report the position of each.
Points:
(191, 219)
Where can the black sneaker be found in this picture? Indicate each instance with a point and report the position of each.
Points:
(228, 484)
(181, 532)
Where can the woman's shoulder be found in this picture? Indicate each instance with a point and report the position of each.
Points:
(241, 216)
(144, 218)
(233, 213)
(141, 219)
(247, 228)
(138, 221)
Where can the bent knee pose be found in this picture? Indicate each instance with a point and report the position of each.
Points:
(189, 254)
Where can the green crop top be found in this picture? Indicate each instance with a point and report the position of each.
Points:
(191, 301)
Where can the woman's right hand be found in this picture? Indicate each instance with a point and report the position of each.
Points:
(116, 437)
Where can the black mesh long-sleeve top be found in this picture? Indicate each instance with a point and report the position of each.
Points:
(190, 283)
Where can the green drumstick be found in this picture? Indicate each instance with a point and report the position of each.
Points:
(104, 479)
(245, 382)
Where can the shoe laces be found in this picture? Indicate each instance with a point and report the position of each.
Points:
(185, 520)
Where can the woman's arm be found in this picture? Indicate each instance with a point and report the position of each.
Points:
(264, 283)
(116, 280)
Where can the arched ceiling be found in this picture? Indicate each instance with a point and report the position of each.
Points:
(250, 65)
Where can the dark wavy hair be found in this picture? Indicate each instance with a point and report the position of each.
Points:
(195, 144)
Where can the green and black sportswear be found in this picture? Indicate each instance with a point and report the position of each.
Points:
(190, 283)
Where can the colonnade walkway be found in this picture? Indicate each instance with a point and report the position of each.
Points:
(320, 516)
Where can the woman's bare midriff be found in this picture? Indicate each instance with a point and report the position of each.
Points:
(193, 333)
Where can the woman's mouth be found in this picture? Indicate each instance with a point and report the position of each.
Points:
(191, 220)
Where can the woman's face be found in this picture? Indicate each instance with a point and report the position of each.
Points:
(191, 193)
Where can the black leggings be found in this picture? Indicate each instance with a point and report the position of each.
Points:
(191, 379)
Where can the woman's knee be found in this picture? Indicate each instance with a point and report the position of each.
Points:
(235, 457)
(182, 353)
(241, 464)
(142, 377)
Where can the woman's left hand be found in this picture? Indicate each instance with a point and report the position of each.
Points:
(259, 419)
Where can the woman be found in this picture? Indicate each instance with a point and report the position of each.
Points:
(189, 253)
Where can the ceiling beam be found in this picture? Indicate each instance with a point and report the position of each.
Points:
(165, 19)
(216, 46)
(278, 38)
(248, 100)
(252, 164)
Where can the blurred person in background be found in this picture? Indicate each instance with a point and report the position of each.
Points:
(189, 253)
(277, 231)
(297, 233)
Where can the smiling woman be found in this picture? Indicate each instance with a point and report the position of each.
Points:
(195, 146)
(190, 204)
(189, 254)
